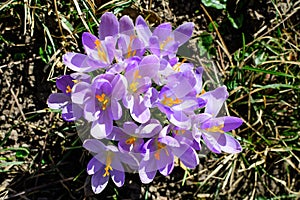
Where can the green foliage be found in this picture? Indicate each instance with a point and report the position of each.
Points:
(218, 4)
(205, 45)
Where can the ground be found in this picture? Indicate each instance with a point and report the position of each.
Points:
(255, 48)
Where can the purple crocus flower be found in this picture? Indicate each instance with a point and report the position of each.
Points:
(65, 83)
(177, 99)
(163, 41)
(212, 128)
(138, 75)
(159, 152)
(101, 102)
(107, 161)
(100, 50)
(129, 43)
(131, 136)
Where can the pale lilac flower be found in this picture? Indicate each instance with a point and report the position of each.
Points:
(163, 41)
(65, 83)
(159, 152)
(100, 50)
(101, 100)
(138, 75)
(107, 161)
(212, 128)
(131, 136)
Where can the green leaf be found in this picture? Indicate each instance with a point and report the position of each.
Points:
(236, 22)
(205, 44)
(247, 67)
(218, 4)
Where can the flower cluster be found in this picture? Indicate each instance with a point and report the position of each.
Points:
(146, 107)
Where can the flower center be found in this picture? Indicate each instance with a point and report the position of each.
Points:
(68, 89)
(134, 84)
(160, 146)
(108, 166)
(176, 67)
(103, 100)
(215, 129)
(101, 51)
(179, 131)
(168, 101)
(164, 43)
(130, 53)
(130, 140)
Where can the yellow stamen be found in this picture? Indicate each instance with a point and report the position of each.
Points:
(215, 129)
(101, 51)
(130, 140)
(102, 99)
(159, 147)
(202, 92)
(164, 43)
(130, 53)
(108, 167)
(180, 131)
(168, 101)
(133, 86)
(68, 89)
(136, 75)
(176, 67)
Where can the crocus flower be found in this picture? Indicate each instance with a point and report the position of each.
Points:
(65, 83)
(131, 136)
(212, 128)
(100, 50)
(101, 100)
(107, 161)
(177, 99)
(138, 76)
(163, 41)
(159, 152)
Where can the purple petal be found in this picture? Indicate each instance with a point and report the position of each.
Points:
(150, 130)
(109, 25)
(58, 100)
(89, 41)
(163, 31)
(126, 25)
(147, 171)
(117, 134)
(140, 112)
(81, 91)
(166, 163)
(101, 129)
(231, 123)
(118, 177)
(215, 100)
(69, 115)
(149, 66)
(170, 141)
(187, 155)
(93, 166)
(63, 82)
(78, 62)
(119, 87)
(99, 182)
(231, 145)
(211, 143)
(184, 32)
(180, 119)
(130, 128)
(154, 45)
(94, 145)
(116, 109)
(142, 30)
